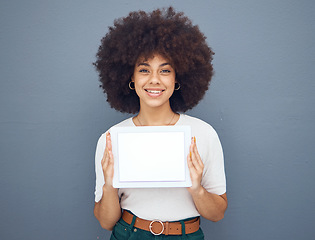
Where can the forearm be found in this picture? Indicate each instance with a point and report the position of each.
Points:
(107, 210)
(210, 206)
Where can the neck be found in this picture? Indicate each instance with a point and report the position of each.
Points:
(154, 117)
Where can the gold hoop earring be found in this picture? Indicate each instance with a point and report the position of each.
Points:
(177, 88)
(131, 88)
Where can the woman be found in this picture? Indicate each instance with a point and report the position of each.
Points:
(156, 65)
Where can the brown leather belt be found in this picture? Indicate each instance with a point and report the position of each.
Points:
(158, 227)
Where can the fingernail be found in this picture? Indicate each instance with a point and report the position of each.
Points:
(195, 139)
(190, 153)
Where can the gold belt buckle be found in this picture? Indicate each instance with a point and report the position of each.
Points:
(150, 227)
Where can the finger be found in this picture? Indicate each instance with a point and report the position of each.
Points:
(110, 151)
(189, 161)
(108, 145)
(197, 167)
(105, 164)
(192, 159)
(105, 156)
(195, 150)
(105, 160)
(197, 156)
(110, 167)
(108, 141)
(106, 148)
(110, 159)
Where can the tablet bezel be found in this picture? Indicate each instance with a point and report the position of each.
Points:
(115, 131)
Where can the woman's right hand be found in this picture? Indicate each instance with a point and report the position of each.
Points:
(108, 162)
(108, 210)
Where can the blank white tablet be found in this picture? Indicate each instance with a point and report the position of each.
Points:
(151, 156)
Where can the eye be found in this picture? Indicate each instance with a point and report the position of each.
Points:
(143, 70)
(165, 71)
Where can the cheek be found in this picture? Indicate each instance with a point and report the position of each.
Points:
(138, 82)
(137, 88)
(171, 83)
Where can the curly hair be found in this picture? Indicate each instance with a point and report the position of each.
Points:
(141, 34)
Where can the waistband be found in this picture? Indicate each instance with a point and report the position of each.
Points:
(157, 227)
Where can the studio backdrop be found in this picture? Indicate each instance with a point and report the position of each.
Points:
(260, 101)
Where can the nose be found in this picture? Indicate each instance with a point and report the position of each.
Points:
(155, 78)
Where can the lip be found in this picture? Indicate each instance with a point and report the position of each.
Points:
(154, 92)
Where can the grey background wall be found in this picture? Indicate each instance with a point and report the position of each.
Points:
(261, 102)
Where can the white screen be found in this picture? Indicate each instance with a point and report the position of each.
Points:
(153, 156)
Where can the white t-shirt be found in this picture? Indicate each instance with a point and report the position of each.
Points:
(170, 204)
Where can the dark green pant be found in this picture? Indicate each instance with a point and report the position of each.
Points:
(124, 231)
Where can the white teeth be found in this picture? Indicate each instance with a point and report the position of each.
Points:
(153, 91)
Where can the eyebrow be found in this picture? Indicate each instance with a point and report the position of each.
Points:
(148, 65)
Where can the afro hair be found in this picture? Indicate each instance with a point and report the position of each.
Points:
(143, 34)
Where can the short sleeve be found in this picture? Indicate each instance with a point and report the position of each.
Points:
(100, 148)
(214, 174)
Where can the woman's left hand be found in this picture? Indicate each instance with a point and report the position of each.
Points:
(195, 166)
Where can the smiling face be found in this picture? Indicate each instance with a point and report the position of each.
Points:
(154, 81)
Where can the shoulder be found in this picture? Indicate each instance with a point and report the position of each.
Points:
(198, 125)
(125, 123)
